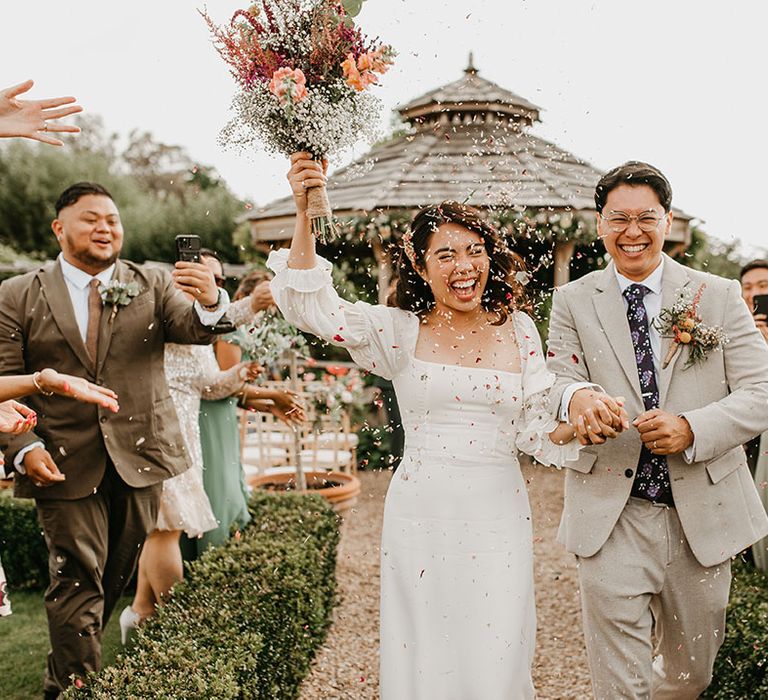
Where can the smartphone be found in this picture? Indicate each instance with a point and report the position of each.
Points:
(188, 248)
(761, 304)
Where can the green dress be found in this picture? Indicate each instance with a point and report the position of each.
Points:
(223, 477)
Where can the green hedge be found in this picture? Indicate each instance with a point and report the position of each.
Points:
(741, 668)
(22, 545)
(246, 621)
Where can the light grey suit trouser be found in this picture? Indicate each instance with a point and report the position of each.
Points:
(654, 618)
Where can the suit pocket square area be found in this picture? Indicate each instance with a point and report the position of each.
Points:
(722, 466)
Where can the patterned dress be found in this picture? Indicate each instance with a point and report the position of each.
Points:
(193, 374)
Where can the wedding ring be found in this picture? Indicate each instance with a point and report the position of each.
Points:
(44, 127)
(654, 444)
(304, 183)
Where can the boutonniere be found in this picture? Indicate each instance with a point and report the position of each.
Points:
(682, 323)
(118, 294)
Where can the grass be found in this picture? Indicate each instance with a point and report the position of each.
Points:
(24, 645)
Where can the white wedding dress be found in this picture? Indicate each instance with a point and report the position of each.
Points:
(458, 620)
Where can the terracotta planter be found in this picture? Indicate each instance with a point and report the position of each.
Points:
(341, 493)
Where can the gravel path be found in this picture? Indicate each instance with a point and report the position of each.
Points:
(346, 668)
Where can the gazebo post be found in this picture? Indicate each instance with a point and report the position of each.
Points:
(384, 267)
(563, 252)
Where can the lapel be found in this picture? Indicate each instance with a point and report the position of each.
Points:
(674, 279)
(609, 306)
(123, 273)
(59, 302)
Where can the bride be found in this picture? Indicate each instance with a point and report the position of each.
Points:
(457, 605)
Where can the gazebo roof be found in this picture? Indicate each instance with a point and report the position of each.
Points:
(471, 94)
(467, 141)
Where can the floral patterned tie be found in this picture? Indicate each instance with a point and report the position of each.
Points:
(652, 476)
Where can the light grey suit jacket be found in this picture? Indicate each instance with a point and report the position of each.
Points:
(724, 399)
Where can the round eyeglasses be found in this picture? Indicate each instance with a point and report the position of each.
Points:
(620, 221)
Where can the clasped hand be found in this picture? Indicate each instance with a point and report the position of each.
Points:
(597, 417)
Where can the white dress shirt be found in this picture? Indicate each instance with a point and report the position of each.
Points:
(652, 303)
(77, 284)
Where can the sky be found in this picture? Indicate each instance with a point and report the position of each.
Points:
(677, 83)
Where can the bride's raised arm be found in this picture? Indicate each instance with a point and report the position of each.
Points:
(380, 339)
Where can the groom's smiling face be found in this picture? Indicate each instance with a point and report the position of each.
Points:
(636, 251)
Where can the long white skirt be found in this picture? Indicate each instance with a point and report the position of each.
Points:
(458, 618)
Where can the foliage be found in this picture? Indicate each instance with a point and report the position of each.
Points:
(22, 545)
(741, 667)
(712, 255)
(269, 339)
(159, 190)
(374, 449)
(338, 390)
(247, 620)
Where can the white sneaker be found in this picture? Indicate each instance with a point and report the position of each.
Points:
(129, 623)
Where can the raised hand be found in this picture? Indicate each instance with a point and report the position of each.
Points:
(197, 281)
(51, 381)
(664, 433)
(596, 416)
(288, 407)
(261, 297)
(41, 469)
(16, 418)
(305, 173)
(31, 118)
(248, 371)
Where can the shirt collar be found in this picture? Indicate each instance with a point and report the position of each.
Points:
(80, 279)
(653, 281)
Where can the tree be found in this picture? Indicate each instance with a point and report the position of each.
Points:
(159, 190)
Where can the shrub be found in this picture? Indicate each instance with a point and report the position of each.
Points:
(22, 545)
(741, 667)
(246, 621)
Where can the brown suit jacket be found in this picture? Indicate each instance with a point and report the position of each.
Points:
(38, 330)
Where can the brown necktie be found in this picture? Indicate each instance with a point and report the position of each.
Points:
(94, 320)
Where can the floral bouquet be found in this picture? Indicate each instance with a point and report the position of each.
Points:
(266, 341)
(684, 325)
(304, 70)
(340, 389)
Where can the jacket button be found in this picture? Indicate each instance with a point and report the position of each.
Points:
(103, 419)
(629, 473)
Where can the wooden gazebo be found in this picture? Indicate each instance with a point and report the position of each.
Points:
(469, 141)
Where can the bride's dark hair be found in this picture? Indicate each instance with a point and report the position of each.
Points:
(502, 293)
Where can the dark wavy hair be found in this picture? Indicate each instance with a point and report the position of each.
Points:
(503, 292)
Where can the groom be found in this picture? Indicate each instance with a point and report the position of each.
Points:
(658, 503)
(96, 477)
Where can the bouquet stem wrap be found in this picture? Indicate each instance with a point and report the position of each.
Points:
(320, 214)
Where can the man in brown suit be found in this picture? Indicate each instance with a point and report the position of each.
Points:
(96, 476)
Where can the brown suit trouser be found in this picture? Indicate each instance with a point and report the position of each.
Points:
(93, 547)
